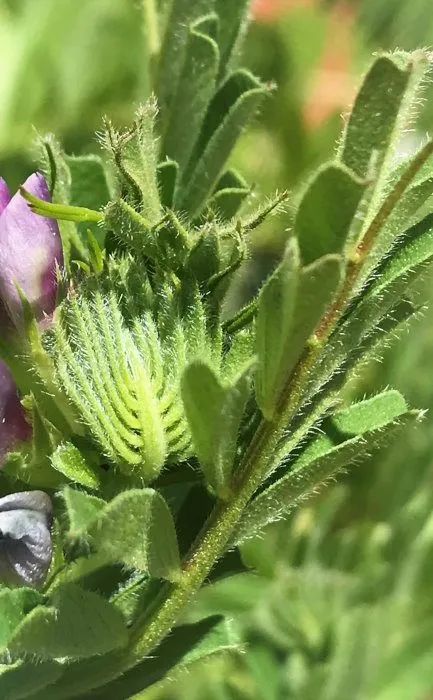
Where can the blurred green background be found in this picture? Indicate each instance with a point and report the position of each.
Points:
(341, 606)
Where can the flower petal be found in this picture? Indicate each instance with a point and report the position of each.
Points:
(30, 252)
(5, 195)
(13, 425)
(25, 547)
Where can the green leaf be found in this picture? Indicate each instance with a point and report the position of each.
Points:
(89, 188)
(135, 155)
(167, 174)
(380, 110)
(403, 215)
(131, 229)
(371, 423)
(81, 509)
(58, 174)
(289, 311)
(274, 325)
(230, 192)
(326, 212)
(413, 250)
(194, 91)
(183, 13)
(24, 678)
(232, 25)
(76, 624)
(136, 529)
(232, 107)
(241, 353)
(14, 606)
(214, 413)
(204, 258)
(186, 645)
(68, 460)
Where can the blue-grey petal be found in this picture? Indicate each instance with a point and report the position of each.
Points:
(25, 547)
(28, 500)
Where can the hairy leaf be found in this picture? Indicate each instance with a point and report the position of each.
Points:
(287, 316)
(194, 91)
(136, 529)
(232, 107)
(186, 645)
(326, 212)
(370, 424)
(68, 460)
(76, 623)
(214, 413)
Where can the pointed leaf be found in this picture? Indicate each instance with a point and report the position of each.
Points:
(68, 460)
(372, 423)
(136, 529)
(281, 339)
(77, 624)
(131, 229)
(183, 13)
(14, 606)
(135, 154)
(230, 192)
(412, 252)
(379, 109)
(58, 174)
(24, 678)
(89, 188)
(167, 173)
(233, 20)
(326, 212)
(194, 91)
(81, 509)
(187, 644)
(402, 217)
(214, 413)
(274, 325)
(233, 106)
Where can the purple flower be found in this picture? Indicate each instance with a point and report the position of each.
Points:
(13, 425)
(25, 538)
(30, 253)
(5, 195)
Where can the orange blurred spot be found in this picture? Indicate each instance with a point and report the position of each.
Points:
(333, 87)
(270, 9)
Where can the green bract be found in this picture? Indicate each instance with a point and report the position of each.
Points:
(168, 430)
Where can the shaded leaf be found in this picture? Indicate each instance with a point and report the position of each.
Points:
(233, 20)
(326, 212)
(371, 127)
(183, 14)
(287, 316)
(24, 678)
(214, 413)
(276, 309)
(81, 509)
(136, 529)
(14, 606)
(232, 107)
(77, 624)
(167, 174)
(187, 644)
(230, 192)
(194, 91)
